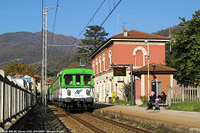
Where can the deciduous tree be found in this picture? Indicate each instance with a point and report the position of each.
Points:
(18, 68)
(186, 51)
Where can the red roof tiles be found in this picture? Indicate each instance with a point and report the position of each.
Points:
(139, 35)
(154, 68)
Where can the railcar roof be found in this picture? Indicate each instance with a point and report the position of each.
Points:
(77, 71)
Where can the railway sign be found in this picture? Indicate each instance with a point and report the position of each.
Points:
(119, 71)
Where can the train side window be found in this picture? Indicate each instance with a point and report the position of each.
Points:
(78, 79)
(68, 79)
(87, 79)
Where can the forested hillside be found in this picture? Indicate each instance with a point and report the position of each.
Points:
(27, 47)
(165, 32)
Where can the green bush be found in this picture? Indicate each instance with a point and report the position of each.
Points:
(144, 100)
(126, 89)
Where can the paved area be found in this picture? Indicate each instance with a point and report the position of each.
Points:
(183, 118)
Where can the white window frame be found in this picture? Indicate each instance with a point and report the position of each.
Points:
(110, 56)
(94, 67)
(104, 62)
(99, 63)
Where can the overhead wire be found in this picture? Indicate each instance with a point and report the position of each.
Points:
(75, 39)
(104, 19)
(86, 26)
(110, 12)
(54, 24)
(54, 21)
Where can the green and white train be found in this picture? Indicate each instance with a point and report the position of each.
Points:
(73, 89)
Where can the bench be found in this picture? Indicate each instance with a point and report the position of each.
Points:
(160, 104)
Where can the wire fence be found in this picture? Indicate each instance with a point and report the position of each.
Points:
(14, 99)
(183, 94)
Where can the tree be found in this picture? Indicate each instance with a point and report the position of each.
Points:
(185, 56)
(18, 68)
(95, 36)
(126, 91)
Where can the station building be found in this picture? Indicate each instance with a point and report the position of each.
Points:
(130, 47)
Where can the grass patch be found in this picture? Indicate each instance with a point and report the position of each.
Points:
(186, 106)
(122, 102)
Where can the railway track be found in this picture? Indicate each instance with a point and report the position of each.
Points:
(97, 124)
(125, 126)
(87, 124)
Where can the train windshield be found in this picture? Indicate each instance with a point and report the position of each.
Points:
(87, 79)
(78, 79)
(68, 79)
(83, 79)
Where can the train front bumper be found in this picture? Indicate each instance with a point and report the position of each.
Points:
(88, 99)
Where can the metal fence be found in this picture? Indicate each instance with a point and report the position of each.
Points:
(183, 94)
(14, 99)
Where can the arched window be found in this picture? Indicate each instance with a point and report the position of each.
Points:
(139, 53)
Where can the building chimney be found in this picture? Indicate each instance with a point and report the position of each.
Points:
(125, 33)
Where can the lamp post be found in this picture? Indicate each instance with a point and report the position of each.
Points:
(146, 41)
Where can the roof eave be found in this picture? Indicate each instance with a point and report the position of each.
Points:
(155, 72)
(126, 39)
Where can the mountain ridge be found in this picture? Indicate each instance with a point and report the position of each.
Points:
(27, 47)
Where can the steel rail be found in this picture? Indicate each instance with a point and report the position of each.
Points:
(90, 126)
(131, 128)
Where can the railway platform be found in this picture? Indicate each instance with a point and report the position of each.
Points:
(183, 121)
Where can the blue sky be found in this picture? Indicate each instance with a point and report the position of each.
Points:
(72, 15)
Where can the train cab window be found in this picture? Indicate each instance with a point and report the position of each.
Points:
(78, 79)
(87, 79)
(68, 79)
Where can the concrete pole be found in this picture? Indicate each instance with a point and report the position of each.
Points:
(45, 75)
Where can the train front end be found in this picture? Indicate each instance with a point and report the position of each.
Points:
(78, 84)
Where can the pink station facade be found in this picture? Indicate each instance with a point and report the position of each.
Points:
(129, 47)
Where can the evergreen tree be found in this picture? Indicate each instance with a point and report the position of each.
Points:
(95, 36)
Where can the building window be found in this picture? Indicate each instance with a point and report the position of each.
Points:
(104, 64)
(110, 56)
(100, 64)
(93, 67)
(139, 53)
(97, 65)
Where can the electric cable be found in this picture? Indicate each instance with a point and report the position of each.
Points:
(103, 21)
(55, 17)
(110, 13)
(75, 39)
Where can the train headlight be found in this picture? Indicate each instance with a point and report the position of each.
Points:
(87, 92)
(68, 92)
